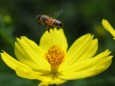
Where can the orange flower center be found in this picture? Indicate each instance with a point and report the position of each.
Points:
(55, 57)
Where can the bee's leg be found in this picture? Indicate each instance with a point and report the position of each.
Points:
(39, 23)
(47, 28)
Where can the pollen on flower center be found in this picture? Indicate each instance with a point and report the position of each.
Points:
(55, 57)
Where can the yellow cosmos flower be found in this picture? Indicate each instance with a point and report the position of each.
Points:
(52, 63)
(108, 27)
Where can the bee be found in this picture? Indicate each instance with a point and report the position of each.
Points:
(49, 22)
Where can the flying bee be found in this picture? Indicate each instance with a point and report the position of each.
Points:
(48, 21)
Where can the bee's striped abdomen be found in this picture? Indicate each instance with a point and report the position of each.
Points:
(57, 23)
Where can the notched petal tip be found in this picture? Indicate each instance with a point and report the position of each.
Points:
(102, 66)
(2, 52)
(21, 38)
(107, 50)
(54, 30)
(18, 39)
(55, 37)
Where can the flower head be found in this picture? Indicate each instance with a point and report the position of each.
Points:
(108, 27)
(52, 63)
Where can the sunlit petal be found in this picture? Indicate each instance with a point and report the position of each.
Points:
(55, 37)
(83, 48)
(79, 66)
(11, 62)
(35, 59)
(89, 71)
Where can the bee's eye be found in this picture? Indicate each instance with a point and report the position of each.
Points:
(38, 17)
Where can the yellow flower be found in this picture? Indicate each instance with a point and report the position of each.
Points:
(52, 63)
(108, 27)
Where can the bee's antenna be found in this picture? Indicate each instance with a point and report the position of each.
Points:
(36, 11)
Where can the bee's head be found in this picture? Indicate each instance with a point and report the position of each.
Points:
(38, 19)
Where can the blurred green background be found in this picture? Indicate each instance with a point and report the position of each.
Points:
(18, 17)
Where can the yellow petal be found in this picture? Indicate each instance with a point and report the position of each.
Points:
(27, 73)
(83, 48)
(11, 62)
(84, 64)
(108, 27)
(55, 37)
(89, 71)
(93, 61)
(89, 53)
(29, 53)
(49, 81)
(45, 78)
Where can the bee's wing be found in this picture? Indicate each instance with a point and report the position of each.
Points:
(57, 13)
